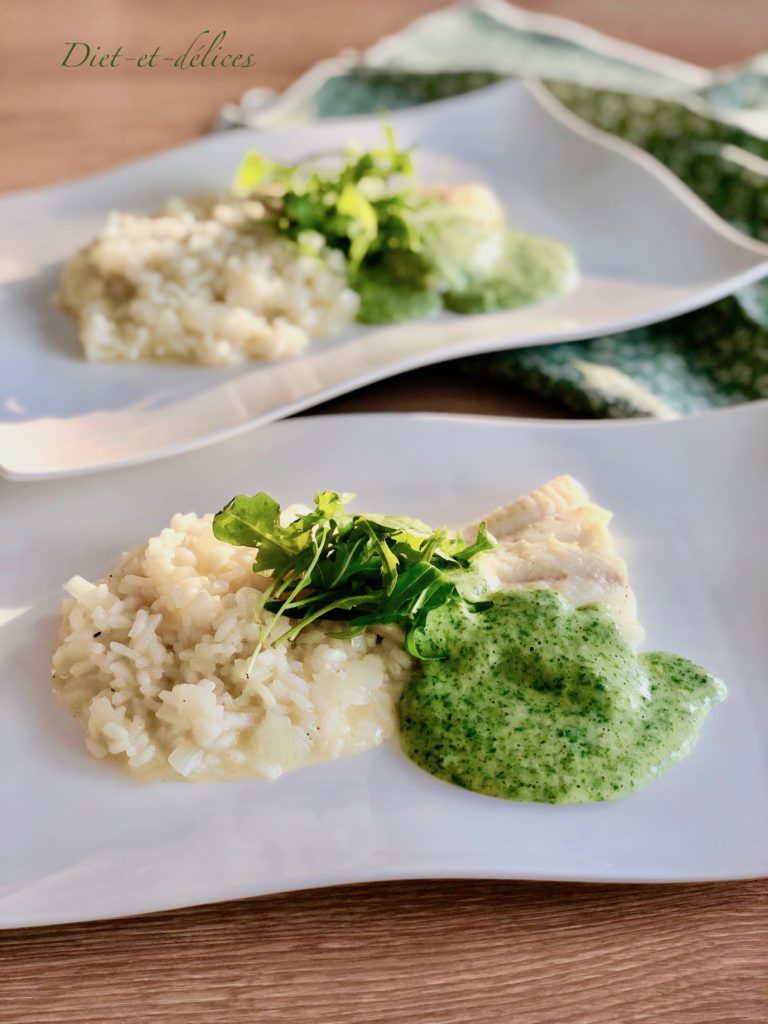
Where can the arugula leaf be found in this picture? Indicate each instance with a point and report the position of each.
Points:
(250, 521)
(363, 223)
(358, 569)
(362, 207)
(255, 169)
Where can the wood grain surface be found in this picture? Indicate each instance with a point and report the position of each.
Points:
(421, 953)
(417, 953)
(62, 122)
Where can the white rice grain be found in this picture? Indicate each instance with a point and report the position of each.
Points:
(204, 282)
(154, 661)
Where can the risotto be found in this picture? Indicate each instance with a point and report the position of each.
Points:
(203, 282)
(154, 663)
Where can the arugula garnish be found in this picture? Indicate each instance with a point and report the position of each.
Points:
(358, 569)
(362, 208)
(409, 252)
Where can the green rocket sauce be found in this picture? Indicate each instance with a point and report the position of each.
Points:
(535, 700)
(467, 270)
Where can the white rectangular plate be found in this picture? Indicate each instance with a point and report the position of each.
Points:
(647, 249)
(80, 840)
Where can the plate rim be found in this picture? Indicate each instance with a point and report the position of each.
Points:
(299, 408)
(337, 881)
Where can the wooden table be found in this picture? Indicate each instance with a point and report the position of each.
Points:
(426, 953)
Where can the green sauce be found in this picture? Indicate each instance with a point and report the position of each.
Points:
(539, 701)
(527, 269)
(385, 300)
(467, 270)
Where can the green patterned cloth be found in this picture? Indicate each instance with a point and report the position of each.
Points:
(712, 131)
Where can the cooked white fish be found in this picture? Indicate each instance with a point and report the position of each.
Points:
(555, 537)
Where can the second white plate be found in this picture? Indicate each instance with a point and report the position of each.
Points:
(81, 840)
(647, 249)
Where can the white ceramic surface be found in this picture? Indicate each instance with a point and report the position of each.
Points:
(80, 840)
(647, 248)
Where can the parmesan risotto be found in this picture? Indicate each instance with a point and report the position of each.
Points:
(154, 663)
(206, 282)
